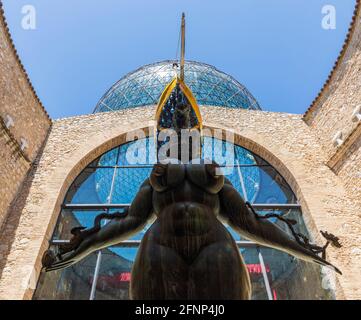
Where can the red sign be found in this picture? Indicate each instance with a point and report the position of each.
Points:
(256, 268)
(124, 277)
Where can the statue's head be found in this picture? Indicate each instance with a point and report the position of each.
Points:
(179, 124)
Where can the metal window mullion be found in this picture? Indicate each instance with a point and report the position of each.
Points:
(96, 275)
(233, 95)
(105, 206)
(244, 165)
(105, 105)
(118, 156)
(112, 186)
(137, 166)
(244, 191)
(144, 88)
(264, 273)
(136, 243)
(122, 94)
(99, 257)
(212, 89)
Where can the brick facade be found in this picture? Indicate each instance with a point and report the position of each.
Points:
(30, 121)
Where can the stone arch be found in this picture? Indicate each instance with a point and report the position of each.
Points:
(107, 145)
(87, 139)
(80, 161)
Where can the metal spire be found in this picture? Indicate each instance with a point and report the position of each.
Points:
(183, 43)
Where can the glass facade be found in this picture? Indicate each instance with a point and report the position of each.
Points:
(110, 183)
(145, 85)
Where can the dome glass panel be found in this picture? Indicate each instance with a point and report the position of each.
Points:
(145, 85)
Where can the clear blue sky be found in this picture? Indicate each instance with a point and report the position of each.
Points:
(276, 48)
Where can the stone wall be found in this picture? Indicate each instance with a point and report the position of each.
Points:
(13, 168)
(347, 165)
(30, 121)
(284, 140)
(332, 110)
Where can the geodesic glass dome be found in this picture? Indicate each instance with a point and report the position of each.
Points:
(145, 85)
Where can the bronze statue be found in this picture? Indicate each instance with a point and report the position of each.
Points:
(187, 253)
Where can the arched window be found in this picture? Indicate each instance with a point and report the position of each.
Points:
(109, 184)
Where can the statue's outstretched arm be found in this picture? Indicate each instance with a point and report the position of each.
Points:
(117, 230)
(236, 214)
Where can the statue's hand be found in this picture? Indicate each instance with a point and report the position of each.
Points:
(76, 248)
(122, 226)
(52, 261)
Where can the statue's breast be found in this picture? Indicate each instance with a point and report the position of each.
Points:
(205, 176)
(167, 176)
(170, 176)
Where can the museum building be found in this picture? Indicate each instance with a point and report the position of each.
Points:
(57, 174)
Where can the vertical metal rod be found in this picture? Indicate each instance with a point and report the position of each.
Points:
(112, 186)
(99, 257)
(243, 186)
(264, 273)
(183, 44)
(96, 274)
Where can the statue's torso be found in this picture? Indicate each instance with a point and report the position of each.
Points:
(186, 202)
